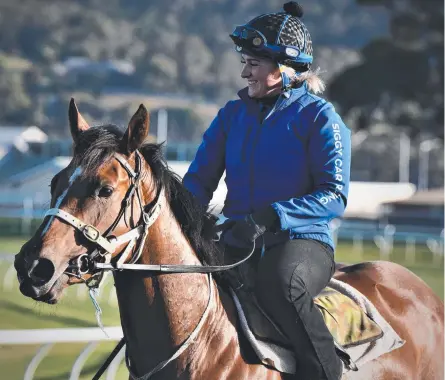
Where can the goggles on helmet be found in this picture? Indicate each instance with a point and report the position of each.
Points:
(252, 39)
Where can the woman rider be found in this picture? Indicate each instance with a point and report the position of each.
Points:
(286, 153)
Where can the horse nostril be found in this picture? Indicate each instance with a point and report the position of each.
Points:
(41, 271)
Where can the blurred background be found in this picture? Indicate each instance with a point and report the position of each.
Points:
(383, 61)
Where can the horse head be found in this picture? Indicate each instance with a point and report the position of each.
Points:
(94, 199)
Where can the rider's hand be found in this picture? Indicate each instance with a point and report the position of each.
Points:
(252, 226)
(221, 229)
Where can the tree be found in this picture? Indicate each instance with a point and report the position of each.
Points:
(16, 104)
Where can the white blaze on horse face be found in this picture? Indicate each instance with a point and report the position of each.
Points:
(59, 201)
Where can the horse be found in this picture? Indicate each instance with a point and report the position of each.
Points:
(118, 206)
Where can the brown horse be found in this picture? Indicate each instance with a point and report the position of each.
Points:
(117, 192)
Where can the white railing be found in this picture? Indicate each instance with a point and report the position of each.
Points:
(48, 337)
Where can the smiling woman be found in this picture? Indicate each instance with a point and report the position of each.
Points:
(263, 76)
(286, 154)
(286, 178)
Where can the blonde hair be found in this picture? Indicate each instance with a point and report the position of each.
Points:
(315, 84)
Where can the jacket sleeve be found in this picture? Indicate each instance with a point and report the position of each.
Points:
(329, 160)
(206, 169)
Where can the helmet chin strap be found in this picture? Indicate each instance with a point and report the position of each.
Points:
(286, 80)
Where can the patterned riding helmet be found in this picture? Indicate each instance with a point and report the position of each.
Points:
(280, 36)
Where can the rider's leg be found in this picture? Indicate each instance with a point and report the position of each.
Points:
(289, 276)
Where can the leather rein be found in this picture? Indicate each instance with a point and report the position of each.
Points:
(97, 262)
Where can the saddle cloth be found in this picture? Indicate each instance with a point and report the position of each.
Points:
(357, 327)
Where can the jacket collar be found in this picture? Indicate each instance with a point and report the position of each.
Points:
(284, 100)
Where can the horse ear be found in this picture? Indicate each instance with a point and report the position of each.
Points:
(77, 122)
(137, 131)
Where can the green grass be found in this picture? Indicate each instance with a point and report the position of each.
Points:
(57, 365)
(16, 227)
(424, 266)
(11, 245)
(18, 312)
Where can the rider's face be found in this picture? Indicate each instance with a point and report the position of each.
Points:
(262, 74)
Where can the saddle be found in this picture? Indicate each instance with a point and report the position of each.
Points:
(350, 319)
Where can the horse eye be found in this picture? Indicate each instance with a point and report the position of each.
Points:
(105, 192)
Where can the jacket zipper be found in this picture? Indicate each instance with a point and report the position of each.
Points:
(252, 159)
(272, 110)
(252, 167)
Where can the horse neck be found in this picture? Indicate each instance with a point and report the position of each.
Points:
(159, 312)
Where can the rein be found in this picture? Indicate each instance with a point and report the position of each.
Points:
(98, 261)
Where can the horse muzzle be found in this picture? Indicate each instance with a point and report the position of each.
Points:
(37, 278)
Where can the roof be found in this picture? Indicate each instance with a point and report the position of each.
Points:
(32, 183)
(52, 167)
(84, 64)
(9, 134)
(434, 197)
(366, 199)
(20, 137)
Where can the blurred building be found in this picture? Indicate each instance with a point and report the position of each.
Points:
(424, 210)
(74, 66)
(19, 138)
(20, 149)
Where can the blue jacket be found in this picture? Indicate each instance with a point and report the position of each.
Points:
(297, 160)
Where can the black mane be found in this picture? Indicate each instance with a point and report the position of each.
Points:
(96, 145)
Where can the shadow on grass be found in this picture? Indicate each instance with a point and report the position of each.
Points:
(55, 318)
(88, 370)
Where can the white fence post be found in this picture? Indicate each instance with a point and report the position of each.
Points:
(81, 359)
(385, 242)
(114, 366)
(335, 225)
(28, 209)
(38, 357)
(436, 247)
(357, 245)
(410, 250)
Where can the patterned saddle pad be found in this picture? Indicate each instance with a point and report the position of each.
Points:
(347, 322)
(353, 321)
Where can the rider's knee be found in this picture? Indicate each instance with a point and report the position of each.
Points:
(273, 286)
(297, 287)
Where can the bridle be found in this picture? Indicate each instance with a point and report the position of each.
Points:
(106, 244)
(99, 260)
